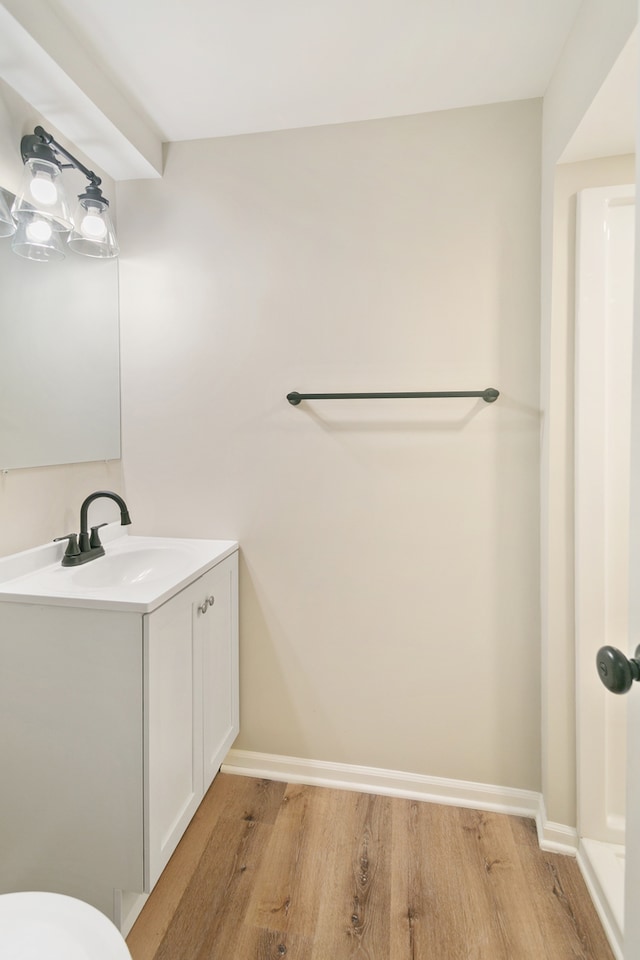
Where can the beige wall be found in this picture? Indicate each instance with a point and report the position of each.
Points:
(40, 503)
(600, 32)
(389, 581)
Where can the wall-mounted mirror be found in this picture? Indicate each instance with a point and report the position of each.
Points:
(59, 360)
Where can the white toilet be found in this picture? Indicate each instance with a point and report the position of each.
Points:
(49, 926)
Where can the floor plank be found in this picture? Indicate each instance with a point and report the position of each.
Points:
(270, 870)
(257, 802)
(556, 891)
(288, 885)
(492, 862)
(437, 911)
(353, 919)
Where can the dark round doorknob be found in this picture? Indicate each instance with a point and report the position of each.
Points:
(615, 670)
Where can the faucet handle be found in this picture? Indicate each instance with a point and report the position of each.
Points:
(73, 550)
(95, 537)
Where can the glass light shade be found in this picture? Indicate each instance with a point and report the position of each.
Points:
(36, 239)
(7, 223)
(42, 193)
(93, 234)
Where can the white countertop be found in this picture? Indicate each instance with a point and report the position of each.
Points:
(136, 573)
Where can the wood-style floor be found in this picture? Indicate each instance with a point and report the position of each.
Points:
(270, 870)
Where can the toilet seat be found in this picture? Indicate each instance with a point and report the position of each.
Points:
(50, 926)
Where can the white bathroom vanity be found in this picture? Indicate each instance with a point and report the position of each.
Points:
(118, 703)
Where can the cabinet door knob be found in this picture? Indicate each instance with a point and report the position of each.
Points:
(209, 602)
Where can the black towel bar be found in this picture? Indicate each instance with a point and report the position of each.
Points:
(490, 395)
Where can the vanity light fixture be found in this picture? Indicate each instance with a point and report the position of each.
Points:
(41, 206)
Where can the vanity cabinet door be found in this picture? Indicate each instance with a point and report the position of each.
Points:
(173, 727)
(218, 629)
(191, 704)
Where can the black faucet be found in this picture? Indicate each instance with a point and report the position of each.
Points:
(83, 548)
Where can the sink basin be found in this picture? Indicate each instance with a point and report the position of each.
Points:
(136, 573)
(138, 565)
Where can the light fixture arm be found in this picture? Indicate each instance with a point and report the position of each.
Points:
(42, 144)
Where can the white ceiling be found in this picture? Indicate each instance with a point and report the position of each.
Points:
(210, 68)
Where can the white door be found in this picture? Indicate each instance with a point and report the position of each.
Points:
(604, 321)
(632, 877)
(632, 701)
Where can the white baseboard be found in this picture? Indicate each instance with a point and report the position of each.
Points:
(602, 867)
(394, 783)
(127, 908)
(555, 837)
